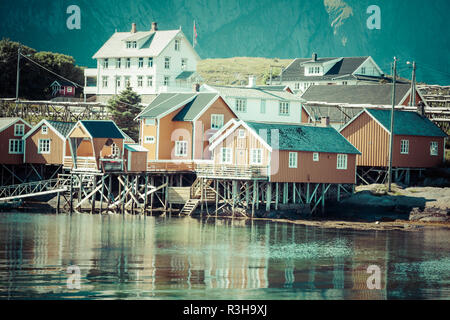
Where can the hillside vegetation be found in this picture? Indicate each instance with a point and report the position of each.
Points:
(235, 71)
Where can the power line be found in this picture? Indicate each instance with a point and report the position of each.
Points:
(58, 75)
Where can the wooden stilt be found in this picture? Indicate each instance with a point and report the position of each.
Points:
(93, 195)
(71, 194)
(145, 195)
(268, 196)
(276, 195)
(152, 183)
(102, 193)
(58, 199)
(255, 187)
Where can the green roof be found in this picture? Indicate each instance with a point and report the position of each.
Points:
(184, 75)
(407, 123)
(193, 108)
(304, 138)
(62, 127)
(163, 103)
(102, 129)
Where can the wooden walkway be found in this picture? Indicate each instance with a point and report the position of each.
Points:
(32, 189)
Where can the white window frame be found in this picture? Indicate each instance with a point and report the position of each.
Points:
(128, 63)
(293, 160)
(118, 78)
(179, 147)
(150, 62)
(177, 44)
(149, 122)
(140, 62)
(434, 148)
(149, 139)
(315, 156)
(363, 70)
(256, 156)
(19, 130)
(104, 81)
(241, 105)
(217, 121)
(105, 63)
(166, 81)
(44, 129)
(167, 63)
(149, 81)
(283, 108)
(44, 146)
(118, 63)
(241, 133)
(341, 161)
(115, 151)
(140, 81)
(183, 63)
(15, 146)
(404, 146)
(228, 156)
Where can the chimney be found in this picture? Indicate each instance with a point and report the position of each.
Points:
(251, 82)
(154, 26)
(314, 56)
(133, 28)
(325, 121)
(421, 108)
(197, 87)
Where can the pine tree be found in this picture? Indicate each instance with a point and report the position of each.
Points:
(124, 108)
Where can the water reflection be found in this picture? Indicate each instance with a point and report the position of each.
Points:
(186, 258)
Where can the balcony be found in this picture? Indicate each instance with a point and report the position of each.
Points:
(220, 171)
(170, 166)
(83, 163)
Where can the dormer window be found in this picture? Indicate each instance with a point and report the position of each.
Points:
(314, 70)
(363, 70)
(131, 44)
(177, 45)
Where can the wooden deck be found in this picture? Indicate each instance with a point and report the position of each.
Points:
(170, 166)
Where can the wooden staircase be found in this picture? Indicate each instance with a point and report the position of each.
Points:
(190, 206)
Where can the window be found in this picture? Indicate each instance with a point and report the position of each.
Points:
(149, 81)
(44, 129)
(15, 146)
(314, 70)
(183, 63)
(128, 63)
(139, 81)
(341, 162)
(149, 139)
(344, 82)
(315, 156)
(105, 63)
(166, 80)
(255, 156)
(127, 81)
(263, 106)
(105, 81)
(241, 133)
(141, 63)
(131, 44)
(118, 63)
(117, 81)
(150, 62)
(115, 150)
(180, 148)
(297, 85)
(216, 121)
(44, 146)
(292, 159)
(433, 148)
(149, 122)
(19, 130)
(225, 155)
(404, 146)
(177, 45)
(167, 63)
(284, 108)
(363, 70)
(241, 105)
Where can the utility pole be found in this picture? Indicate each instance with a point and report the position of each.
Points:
(412, 98)
(391, 141)
(18, 72)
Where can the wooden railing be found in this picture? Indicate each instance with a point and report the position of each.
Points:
(165, 166)
(231, 171)
(111, 164)
(88, 163)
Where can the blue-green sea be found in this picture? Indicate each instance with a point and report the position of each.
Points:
(82, 256)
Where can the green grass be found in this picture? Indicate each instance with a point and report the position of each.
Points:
(235, 71)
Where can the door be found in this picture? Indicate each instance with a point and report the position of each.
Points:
(241, 157)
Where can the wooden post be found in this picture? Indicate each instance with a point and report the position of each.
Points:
(276, 195)
(257, 194)
(268, 196)
(285, 192)
(247, 194)
(152, 183)
(109, 189)
(93, 196)
(120, 190)
(201, 196)
(166, 189)
(255, 186)
(308, 200)
(80, 191)
(339, 192)
(101, 193)
(145, 195)
(216, 185)
(58, 199)
(323, 198)
(71, 193)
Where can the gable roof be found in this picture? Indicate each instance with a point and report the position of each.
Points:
(408, 123)
(335, 113)
(135, 147)
(62, 127)
(252, 92)
(164, 103)
(304, 138)
(192, 109)
(154, 43)
(184, 75)
(9, 121)
(345, 66)
(376, 94)
(102, 129)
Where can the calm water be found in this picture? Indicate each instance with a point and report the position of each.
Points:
(185, 258)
